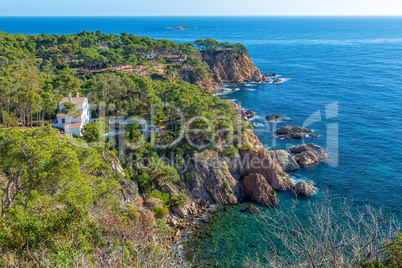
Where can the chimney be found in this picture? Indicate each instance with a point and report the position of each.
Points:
(78, 95)
(69, 97)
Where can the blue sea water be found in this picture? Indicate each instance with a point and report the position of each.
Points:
(353, 63)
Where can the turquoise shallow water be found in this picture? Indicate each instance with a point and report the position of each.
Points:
(356, 62)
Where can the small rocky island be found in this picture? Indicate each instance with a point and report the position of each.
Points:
(294, 132)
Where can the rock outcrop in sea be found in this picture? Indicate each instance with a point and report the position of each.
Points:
(228, 66)
(304, 188)
(309, 154)
(294, 132)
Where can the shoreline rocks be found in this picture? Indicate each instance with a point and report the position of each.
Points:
(309, 154)
(304, 188)
(243, 115)
(265, 77)
(284, 159)
(258, 190)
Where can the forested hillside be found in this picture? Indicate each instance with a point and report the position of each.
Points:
(73, 201)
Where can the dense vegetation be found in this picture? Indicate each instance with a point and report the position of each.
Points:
(36, 71)
(62, 204)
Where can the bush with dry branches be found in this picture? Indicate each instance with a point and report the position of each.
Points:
(332, 232)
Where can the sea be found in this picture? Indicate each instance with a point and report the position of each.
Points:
(342, 77)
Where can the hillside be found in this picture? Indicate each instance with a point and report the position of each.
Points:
(70, 199)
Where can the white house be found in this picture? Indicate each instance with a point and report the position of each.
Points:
(73, 124)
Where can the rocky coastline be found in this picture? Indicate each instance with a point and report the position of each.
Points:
(252, 174)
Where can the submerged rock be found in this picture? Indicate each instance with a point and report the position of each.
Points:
(250, 210)
(258, 190)
(304, 188)
(284, 159)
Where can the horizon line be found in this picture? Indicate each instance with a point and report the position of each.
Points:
(133, 16)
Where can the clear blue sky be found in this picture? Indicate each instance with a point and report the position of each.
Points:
(198, 7)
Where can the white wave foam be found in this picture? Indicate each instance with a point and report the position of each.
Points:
(283, 81)
(227, 91)
(296, 180)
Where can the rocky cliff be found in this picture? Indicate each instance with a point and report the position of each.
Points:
(228, 66)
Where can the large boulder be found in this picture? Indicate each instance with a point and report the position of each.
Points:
(185, 210)
(309, 154)
(212, 181)
(284, 159)
(304, 188)
(258, 190)
(260, 161)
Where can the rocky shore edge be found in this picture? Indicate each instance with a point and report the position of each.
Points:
(246, 183)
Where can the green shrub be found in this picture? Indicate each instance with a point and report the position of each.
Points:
(179, 200)
(231, 151)
(246, 146)
(161, 212)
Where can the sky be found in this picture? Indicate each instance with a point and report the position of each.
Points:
(198, 7)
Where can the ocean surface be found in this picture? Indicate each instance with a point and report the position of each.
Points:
(343, 80)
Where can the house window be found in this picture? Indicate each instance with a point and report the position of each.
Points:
(63, 121)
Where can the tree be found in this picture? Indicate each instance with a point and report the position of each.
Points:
(199, 43)
(37, 160)
(92, 131)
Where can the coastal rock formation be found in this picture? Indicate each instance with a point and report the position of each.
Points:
(304, 188)
(265, 77)
(295, 132)
(243, 115)
(250, 114)
(275, 117)
(130, 191)
(187, 210)
(309, 154)
(258, 190)
(230, 66)
(213, 182)
(260, 161)
(284, 159)
(277, 81)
